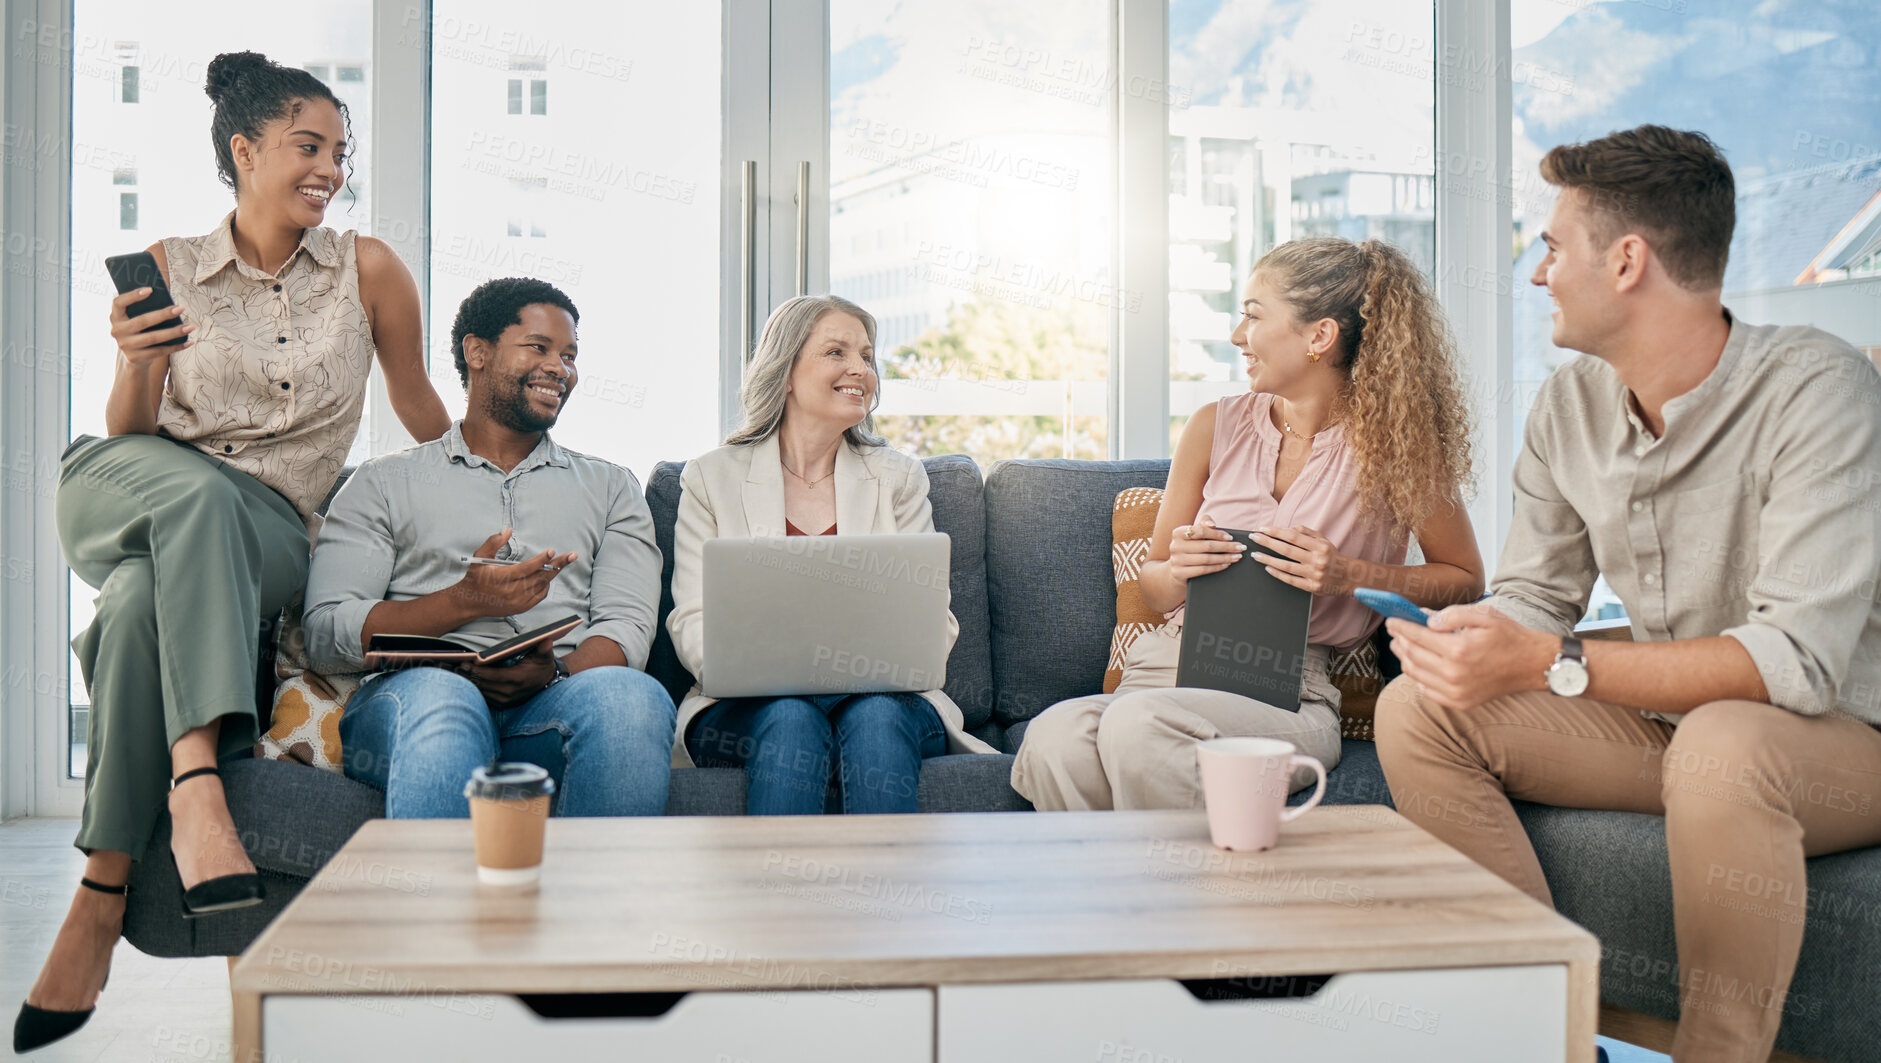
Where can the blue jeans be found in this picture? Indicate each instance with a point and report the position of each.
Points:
(786, 746)
(417, 733)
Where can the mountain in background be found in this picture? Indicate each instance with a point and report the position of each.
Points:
(1781, 86)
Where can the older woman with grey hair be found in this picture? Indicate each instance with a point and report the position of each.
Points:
(807, 461)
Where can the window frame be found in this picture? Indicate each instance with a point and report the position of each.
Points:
(773, 120)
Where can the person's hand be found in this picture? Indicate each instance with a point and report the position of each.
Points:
(138, 347)
(508, 590)
(1201, 548)
(508, 687)
(1303, 558)
(1472, 653)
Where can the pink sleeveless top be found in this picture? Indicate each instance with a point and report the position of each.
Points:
(1240, 494)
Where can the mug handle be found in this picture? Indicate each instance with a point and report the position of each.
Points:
(1319, 789)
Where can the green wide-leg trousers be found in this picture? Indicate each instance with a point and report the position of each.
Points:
(187, 554)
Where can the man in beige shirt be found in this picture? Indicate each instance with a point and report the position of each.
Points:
(1722, 477)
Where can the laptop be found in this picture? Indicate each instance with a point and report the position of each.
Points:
(1243, 631)
(825, 614)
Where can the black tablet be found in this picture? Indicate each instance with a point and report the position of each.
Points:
(1244, 632)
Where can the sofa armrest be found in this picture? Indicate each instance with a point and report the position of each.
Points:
(1605, 630)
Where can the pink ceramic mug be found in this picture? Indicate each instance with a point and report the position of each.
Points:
(1244, 782)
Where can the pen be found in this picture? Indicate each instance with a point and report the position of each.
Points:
(500, 561)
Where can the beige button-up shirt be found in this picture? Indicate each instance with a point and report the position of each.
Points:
(1755, 515)
(276, 379)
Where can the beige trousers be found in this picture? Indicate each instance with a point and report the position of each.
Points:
(1135, 748)
(1747, 790)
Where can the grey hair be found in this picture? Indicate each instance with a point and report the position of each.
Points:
(768, 373)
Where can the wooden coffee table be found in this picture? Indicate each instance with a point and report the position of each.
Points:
(1118, 937)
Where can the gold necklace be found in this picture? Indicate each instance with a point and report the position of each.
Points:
(798, 475)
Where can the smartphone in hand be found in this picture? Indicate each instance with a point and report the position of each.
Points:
(1392, 605)
(139, 270)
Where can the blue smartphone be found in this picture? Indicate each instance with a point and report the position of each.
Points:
(1392, 605)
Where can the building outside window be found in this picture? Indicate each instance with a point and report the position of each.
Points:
(129, 73)
(529, 92)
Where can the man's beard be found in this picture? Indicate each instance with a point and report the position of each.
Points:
(512, 409)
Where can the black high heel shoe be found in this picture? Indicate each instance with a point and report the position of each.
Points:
(224, 893)
(39, 1027)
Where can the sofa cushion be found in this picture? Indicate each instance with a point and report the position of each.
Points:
(1050, 592)
(1608, 871)
(959, 497)
(663, 501)
(955, 489)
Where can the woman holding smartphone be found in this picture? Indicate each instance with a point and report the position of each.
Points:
(1352, 437)
(190, 517)
(807, 462)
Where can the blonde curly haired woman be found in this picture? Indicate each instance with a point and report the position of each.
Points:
(1352, 437)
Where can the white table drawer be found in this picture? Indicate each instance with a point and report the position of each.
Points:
(863, 1025)
(1489, 1014)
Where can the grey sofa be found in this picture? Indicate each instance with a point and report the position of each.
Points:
(1033, 590)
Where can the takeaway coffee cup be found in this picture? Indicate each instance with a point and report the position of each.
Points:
(509, 807)
(1244, 784)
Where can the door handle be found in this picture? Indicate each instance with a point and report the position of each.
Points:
(748, 262)
(803, 228)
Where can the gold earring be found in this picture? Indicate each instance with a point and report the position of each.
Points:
(1311, 357)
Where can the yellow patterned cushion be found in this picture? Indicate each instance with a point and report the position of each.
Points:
(1132, 521)
(307, 705)
(306, 725)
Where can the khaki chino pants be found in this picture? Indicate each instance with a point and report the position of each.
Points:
(1748, 791)
(1135, 748)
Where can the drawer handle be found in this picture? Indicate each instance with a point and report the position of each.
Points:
(600, 1005)
(1256, 987)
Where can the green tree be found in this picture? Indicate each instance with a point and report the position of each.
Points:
(1004, 345)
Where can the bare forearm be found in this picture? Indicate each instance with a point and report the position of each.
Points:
(1432, 585)
(596, 652)
(437, 613)
(1162, 591)
(1672, 677)
(131, 408)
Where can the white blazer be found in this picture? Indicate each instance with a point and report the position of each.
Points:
(738, 492)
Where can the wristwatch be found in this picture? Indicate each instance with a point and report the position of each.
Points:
(1567, 676)
(561, 672)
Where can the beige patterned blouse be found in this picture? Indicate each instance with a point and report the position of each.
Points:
(276, 379)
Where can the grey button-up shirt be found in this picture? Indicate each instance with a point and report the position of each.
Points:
(1755, 515)
(397, 528)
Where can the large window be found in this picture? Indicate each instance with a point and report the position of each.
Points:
(128, 53)
(976, 173)
(971, 208)
(612, 195)
(1788, 91)
(1307, 119)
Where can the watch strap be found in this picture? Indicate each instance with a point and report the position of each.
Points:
(1571, 649)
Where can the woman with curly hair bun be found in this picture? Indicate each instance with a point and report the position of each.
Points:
(229, 418)
(1352, 438)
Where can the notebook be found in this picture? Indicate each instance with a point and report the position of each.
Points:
(410, 649)
(1244, 632)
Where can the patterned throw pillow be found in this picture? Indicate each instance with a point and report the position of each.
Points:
(305, 726)
(1132, 521)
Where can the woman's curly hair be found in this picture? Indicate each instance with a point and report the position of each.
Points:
(1407, 417)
